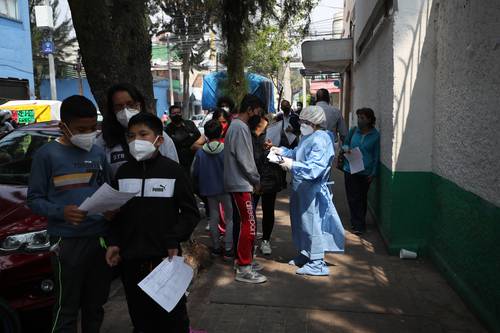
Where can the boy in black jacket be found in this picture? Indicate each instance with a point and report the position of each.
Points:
(150, 227)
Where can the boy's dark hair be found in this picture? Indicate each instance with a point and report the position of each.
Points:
(77, 106)
(149, 120)
(252, 102)
(368, 113)
(213, 129)
(112, 132)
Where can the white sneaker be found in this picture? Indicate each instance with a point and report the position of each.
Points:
(255, 266)
(265, 247)
(246, 274)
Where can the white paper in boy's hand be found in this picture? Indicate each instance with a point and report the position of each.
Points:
(355, 158)
(274, 158)
(105, 199)
(168, 282)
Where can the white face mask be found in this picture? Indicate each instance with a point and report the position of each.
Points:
(306, 129)
(123, 116)
(83, 141)
(142, 149)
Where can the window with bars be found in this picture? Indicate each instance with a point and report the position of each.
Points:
(9, 8)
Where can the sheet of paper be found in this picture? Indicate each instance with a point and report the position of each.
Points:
(105, 199)
(168, 282)
(273, 158)
(355, 159)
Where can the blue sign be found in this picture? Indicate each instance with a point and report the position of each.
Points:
(47, 47)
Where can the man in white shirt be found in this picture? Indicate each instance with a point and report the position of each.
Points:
(334, 120)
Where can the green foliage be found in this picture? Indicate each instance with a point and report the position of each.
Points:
(246, 24)
(267, 52)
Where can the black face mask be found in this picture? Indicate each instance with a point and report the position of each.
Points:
(176, 118)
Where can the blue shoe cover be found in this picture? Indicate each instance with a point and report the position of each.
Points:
(315, 268)
(299, 261)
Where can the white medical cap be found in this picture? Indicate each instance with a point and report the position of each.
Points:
(314, 114)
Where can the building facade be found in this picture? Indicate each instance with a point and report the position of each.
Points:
(430, 69)
(16, 63)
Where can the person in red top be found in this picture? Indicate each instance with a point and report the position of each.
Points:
(224, 119)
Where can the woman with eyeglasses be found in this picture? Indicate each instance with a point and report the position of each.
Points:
(316, 226)
(123, 102)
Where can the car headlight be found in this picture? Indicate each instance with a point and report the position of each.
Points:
(31, 241)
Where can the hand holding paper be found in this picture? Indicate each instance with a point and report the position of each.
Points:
(355, 158)
(105, 199)
(168, 282)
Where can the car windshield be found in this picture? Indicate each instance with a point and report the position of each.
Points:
(16, 153)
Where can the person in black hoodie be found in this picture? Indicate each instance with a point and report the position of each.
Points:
(272, 179)
(150, 227)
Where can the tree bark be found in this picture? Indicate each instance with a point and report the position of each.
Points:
(115, 45)
(236, 83)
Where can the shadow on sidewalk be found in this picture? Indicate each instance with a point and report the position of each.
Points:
(367, 291)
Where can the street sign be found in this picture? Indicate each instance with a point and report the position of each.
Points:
(47, 47)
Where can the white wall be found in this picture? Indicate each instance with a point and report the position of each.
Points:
(372, 86)
(414, 75)
(467, 103)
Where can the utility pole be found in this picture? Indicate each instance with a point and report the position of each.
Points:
(79, 71)
(304, 91)
(52, 74)
(170, 82)
(45, 22)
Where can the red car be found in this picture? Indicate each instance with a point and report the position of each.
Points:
(26, 280)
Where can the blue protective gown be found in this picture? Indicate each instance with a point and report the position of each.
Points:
(316, 226)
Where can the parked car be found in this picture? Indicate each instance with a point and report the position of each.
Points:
(26, 279)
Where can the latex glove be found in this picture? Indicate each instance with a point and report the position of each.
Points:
(286, 164)
(277, 150)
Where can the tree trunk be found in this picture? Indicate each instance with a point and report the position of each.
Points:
(236, 85)
(115, 45)
(236, 34)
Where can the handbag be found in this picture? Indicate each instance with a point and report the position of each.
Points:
(341, 157)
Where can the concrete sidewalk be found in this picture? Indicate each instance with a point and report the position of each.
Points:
(367, 291)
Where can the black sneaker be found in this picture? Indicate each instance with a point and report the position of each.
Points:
(217, 252)
(228, 255)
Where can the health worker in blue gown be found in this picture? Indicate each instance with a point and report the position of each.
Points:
(316, 226)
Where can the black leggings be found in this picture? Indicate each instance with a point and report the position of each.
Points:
(357, 187)
(268, 203)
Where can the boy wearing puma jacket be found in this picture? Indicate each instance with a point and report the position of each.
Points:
(150, 227)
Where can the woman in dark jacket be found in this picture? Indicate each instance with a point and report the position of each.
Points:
(272, 180)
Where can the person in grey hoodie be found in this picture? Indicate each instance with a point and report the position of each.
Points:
(241, 178)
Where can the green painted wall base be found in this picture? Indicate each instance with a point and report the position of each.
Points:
(460, 231)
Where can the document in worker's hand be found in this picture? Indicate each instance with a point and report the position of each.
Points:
(274, 158)
(105, 199)
(168, 282)
(355, 158)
